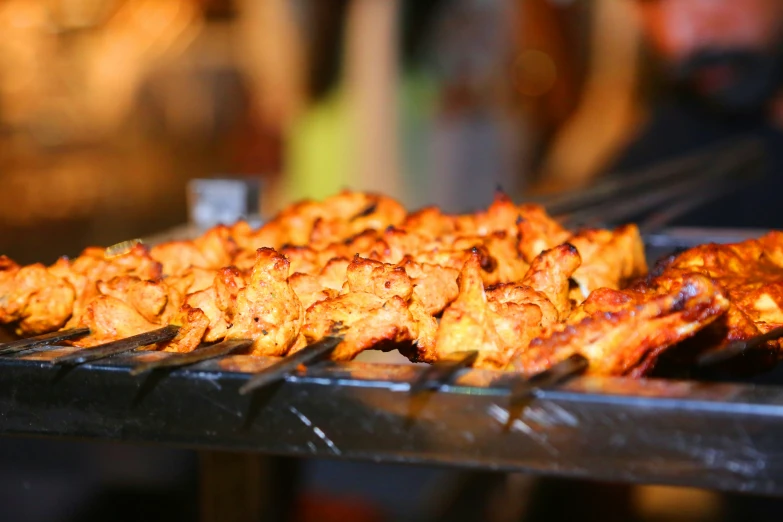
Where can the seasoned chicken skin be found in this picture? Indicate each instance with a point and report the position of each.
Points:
(622, 331)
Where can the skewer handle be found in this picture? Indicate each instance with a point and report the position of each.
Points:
(220, 349)
(736, 348)
(50, 338)
(442, 372)
(128, 344)
(557, 374)
(288, 364)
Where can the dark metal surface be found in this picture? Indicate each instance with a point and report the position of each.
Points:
(717, 436)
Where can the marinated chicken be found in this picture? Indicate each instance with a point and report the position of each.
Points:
(621, 332)
(504, 318)
(750, 274)
(508, 281)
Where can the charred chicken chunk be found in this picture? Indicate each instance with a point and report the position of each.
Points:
(507, 317)
(622, 332)
(267, 309)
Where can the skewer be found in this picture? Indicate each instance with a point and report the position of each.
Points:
(50, 338)
(443, 371)
(731, 350)
(557, 374)
(723, 159)
(220, 349)
(681, 206)
(128, 344)
(288, 364)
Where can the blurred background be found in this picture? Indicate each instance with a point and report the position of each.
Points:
(109, 107)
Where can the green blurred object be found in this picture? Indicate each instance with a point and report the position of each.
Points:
(319, 159)
(317, 156)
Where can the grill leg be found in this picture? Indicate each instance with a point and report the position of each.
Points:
(246, 487)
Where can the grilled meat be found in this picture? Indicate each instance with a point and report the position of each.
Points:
(623, 331)
(509, 282)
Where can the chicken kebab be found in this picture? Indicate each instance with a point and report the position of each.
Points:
(508, 281)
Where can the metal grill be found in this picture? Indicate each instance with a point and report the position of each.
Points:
(721, 436)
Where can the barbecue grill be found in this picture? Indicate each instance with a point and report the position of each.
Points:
(711, 435)
(655, 431)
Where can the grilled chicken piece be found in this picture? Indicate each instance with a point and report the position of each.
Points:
(218, 302)
(126, 305)
(309, 290)
(32, 296)
(319, 224)
(383, 305)
(510, 266)
(350, 213)
(372, 311)
(366, 321)
(610, 259)
(380, 279)
(623, 332)
(750, 274)
(193, 326)
(537, 232)
(215, 249)
(430, 222)
(110, 319)
(267, 309)
(192, 280)
(467, 324)
(42, 299)
(149, 298)
(93, 266)
(507, 317)
(550, 273)
(328, 283)
(434, 286)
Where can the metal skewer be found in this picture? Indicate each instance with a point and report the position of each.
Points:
(220, 349)
(717, 162)
(731, 350)
(50, 338)
(557, 374)
(443, 371)
(288, 364)
(128, 344)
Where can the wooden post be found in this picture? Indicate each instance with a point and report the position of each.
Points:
(246, 487)
(372, 77)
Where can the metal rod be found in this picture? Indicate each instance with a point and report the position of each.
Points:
(442, 372)
(128, 344)
(731, 350)
(50, 338)
(220, 349)
(280, 369)
(681, 206)
(557, 374)
(679, 169)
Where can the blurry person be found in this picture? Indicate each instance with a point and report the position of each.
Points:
(722, 64)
